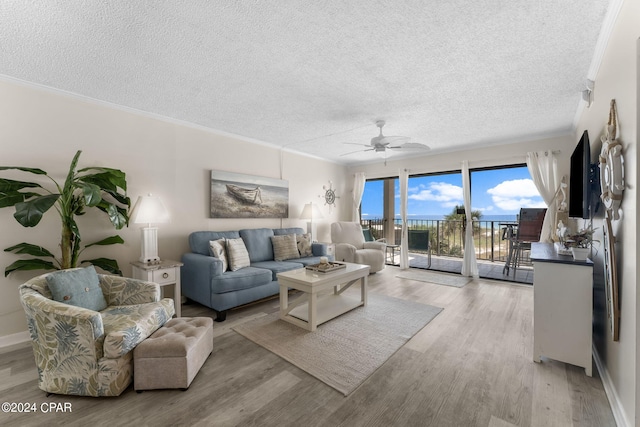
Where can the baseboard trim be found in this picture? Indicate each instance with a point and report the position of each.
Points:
(14, 342)
(610, 390)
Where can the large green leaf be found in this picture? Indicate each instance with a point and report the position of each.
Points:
(113, 240)
(12, 185)
(117, 216)
(30, 213)
(29, 264)
(69, 182)
(14, 197)
(91, 192)
(120, 198)
(29, 249)
(31, 170)
(106, 264)
(115, 177)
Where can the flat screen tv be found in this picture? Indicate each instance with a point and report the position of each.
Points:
(580, 179)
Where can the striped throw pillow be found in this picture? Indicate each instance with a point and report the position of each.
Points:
(237, 253)
(284, 247)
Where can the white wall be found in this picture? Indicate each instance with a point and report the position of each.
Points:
(42, 128)
(617, 78)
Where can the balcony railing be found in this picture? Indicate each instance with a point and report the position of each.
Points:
(447, 237)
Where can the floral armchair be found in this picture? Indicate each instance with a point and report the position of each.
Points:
(89, 353)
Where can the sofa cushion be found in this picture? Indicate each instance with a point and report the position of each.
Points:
(258, 242)
(244, 278)
(290, 230)
(126, 326)
(79, 287)
(218, 249)
(284, 247)
(278, 266)
(237, 253)
(199, 240)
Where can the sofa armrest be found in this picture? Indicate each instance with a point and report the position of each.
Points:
(375, 245)
(345, 252)
(196, 275)
(319, 249)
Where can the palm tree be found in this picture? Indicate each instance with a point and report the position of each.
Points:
(455, 223)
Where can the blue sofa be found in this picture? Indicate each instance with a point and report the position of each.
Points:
(204, 281)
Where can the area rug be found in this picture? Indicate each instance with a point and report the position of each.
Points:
(437, 278)
(345, 351)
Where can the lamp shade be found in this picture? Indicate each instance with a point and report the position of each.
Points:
(310, 211)
(149, 210)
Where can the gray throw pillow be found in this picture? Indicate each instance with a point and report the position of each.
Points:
(237, 253)
(78, 287)
(284, 247)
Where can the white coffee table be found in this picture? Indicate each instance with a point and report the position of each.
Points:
(322, 296)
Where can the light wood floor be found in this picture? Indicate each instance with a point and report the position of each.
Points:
(471, 366)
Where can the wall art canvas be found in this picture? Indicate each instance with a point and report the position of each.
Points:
(235, 195)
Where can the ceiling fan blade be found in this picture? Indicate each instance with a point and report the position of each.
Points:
(395, 139)
(353, 152)
(411, 146)
(355, 143)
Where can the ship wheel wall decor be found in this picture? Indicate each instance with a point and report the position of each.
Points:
(329, 195)
(612, 187)
(611, 167)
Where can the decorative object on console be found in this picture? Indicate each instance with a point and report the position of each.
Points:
(235, 195)
(611, 167)
(82, 189)
(311, 212)
(576, 244)
(149, 210)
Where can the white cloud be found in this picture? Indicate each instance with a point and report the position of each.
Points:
(514, 194)
(447, 194)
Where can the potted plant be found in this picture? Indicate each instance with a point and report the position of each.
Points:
(580, 243)
(102, 188)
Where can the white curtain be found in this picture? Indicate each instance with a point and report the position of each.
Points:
(404, 243)
(358, 190)
(543, 167)
(469, 262)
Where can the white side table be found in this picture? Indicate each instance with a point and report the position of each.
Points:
(166, 272)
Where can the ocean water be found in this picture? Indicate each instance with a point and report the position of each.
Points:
(502, 218)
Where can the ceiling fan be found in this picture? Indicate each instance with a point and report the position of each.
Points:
(382, 143)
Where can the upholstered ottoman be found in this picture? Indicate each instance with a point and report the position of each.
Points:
(172, 356)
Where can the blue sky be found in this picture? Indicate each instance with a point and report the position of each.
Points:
(493, 192)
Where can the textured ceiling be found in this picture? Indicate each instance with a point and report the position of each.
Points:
(312, 75)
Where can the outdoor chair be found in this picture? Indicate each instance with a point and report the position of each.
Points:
(419, 242)
(526, 232)
(368, 236)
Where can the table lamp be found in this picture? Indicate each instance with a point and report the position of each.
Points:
(149, 210)
(310, 211)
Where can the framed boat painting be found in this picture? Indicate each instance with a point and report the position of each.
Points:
(235, 195)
